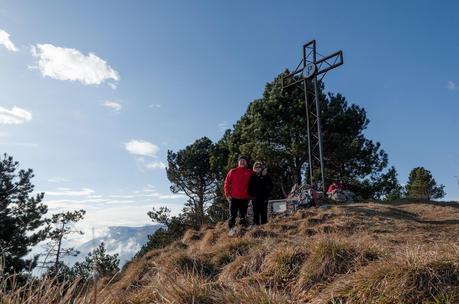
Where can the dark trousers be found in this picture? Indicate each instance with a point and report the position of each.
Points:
(260, 212)
(238, 205)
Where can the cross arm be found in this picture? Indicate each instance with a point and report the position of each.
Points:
(292, 79)
(329, 62)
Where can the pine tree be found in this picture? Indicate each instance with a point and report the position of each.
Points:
(173, 228)
(273, 129)
(21, 216)
(387, 187)
(189, 171)
(99, 260)
(62, 226)
(422, 185)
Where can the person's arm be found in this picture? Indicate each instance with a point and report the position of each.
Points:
(228, 184)
(251, 189)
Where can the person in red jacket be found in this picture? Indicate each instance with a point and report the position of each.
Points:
(237, 192)
(336, 185)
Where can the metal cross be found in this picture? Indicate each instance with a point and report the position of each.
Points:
(307, 71)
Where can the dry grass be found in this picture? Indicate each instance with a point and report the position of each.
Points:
(331, 257)
(401, 252)
(191, 235)
(244, 268)
(281, 267)
(36, 291)
(52, 290)
(185, 263)
(416, 275)
(255, 293)
(227, 252)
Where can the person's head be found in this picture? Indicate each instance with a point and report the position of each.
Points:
(258, 167)
(242, 161)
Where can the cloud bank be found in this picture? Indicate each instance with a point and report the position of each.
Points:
(142, 148)
(6, 42)
(70, 64)
(156, 165)
(115, 106)
(14, 116)
(70, 192)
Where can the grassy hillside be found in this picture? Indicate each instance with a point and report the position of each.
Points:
(401, 252)
(355, 253)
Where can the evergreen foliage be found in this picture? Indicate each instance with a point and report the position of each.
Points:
(22, 223)
(189, 171)
(61, 226)
(99, 260)
(422, 185)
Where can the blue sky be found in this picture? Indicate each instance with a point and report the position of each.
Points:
(96, 128)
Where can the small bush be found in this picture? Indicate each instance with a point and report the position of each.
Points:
(210, 238)
(191, 235)
(247, 266)
(251, 294)
(412, 277)
(199, 265)
(229, 251)
(179, 288)
(283, 265)
(261, 233)
(331, 257)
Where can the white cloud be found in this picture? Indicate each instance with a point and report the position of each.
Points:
(116, 106)
(150, 191)
(74, 203)
(451, 85)
(121, 196)
(154, 106)
(14, 116)
(6, 42)
(141, 147)
(165, 196)
(70, 192)
(112, 85)
(70, 64)
(57, 179)
(156, 165)
(121, 202)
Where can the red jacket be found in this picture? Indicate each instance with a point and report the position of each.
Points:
(335, 186)
(237, 183)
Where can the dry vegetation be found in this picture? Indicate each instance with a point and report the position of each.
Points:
(355, 253)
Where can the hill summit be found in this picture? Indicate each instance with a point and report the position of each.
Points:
(372, 252)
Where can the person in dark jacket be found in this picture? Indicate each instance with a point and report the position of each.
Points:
(236, 192)
(260, 186)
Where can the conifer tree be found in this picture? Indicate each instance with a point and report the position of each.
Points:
(22, 223)
(273, 129)
(189, 171)
(103, 263)
(422, 185)
(62, 225)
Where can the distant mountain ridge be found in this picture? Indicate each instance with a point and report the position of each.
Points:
(123, 240)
